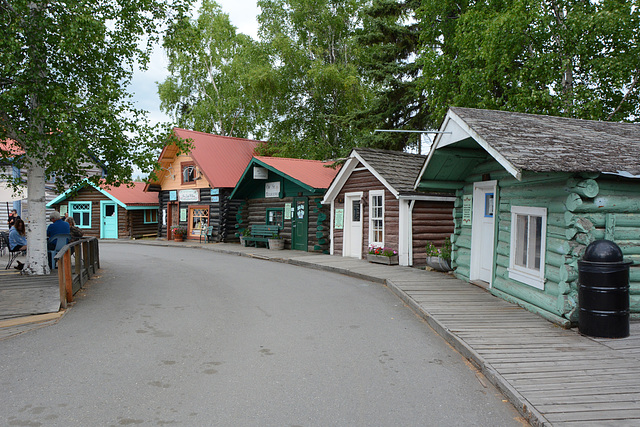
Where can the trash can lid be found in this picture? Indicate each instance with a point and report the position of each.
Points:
(603, 251)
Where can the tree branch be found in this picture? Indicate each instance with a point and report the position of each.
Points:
(625, 97)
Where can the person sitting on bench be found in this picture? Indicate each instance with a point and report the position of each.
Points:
(18, 236)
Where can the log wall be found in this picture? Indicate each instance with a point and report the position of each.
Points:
(580, 210)
(365, 181)
(254, 211)
(130, 223)
(431, 222)
(222, 214)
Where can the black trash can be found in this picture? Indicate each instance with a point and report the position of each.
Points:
(603, 294)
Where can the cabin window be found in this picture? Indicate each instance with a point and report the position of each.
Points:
(81, 213)
(376, 217)
(150, 216)
(528, 245)
(188, 172)
(275, 216)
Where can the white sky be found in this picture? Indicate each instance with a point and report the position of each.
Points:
(243, 15)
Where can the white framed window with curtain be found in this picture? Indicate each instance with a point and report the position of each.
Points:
(376, 217)
(528, 245)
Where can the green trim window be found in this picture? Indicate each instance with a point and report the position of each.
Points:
(275, 216)
(81, 213)
(150, 216)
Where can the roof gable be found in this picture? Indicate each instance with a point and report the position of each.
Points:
(222, 159)
(396, 170)
(126, 197)
(528, 142)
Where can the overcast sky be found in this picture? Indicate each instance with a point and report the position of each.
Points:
(243, 15)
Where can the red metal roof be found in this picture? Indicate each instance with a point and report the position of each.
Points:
(132, 196)
(314, 173)
(222, 159)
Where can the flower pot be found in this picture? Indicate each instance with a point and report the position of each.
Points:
(243, 242)
(438, 263)
(381, 259)
(178, 237)
(276, 244)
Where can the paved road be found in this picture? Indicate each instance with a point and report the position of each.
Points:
(189, 337)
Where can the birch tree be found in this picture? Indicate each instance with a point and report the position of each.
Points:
(63, 100)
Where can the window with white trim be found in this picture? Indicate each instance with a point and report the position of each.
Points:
(376, 217)
(528, 245)
(81, 213)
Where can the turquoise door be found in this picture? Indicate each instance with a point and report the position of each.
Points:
(108, 220)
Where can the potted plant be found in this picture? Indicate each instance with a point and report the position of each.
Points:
(439, 259)
(178, 232)
(245, 233)
(382, 255)
(276, 242)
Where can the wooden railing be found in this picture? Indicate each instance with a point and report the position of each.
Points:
(86, 262)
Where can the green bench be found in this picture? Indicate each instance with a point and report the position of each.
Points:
(261, 233)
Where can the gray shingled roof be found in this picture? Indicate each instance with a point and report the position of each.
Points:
(554, 144)
(399, 169)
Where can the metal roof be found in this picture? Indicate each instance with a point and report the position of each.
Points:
(127, 197)
(314, 173)
(222, 159)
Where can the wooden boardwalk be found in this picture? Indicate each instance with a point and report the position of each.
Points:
(22, 296)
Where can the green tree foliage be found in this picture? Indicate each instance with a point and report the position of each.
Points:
(216, 77)
(316, 81)
(561, 57)
(63, 99)
(389, 40)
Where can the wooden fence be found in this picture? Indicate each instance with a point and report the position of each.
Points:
(86, 262)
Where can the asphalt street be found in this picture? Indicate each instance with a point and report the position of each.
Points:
(181, 336)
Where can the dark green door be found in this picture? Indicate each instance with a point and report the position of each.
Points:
(300, 224)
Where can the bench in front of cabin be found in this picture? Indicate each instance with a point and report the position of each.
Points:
(261, 233)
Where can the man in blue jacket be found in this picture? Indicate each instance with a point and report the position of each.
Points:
(57, 226)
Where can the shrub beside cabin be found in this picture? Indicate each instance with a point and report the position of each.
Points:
(193, 189)
(373, 202)
(287, 193)
(532, 192)
(110, 212)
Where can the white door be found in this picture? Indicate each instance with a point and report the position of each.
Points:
(482, 232)
(352, 245)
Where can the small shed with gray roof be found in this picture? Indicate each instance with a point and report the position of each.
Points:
(373, 203)
(532, 192)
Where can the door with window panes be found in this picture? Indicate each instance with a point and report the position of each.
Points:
(198, 220)
(109, 219)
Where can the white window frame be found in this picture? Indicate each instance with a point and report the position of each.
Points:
(528, 276)
(372, 194)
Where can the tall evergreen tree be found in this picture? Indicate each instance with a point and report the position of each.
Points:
(389, 42)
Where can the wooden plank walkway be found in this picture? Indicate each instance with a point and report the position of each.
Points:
(22, 296)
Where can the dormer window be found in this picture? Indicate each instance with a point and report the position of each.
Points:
(188, 172)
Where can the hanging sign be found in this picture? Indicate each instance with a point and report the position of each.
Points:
(287, 211)
(189, 195)
(339, 219)
(215, 191)
(260, 172)
(272, 189)
(183, 214)
(467, 207)
(173, 195)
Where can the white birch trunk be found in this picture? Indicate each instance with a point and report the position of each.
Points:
(36, 222)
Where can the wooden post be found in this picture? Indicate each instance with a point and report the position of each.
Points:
(66, 261)
(85, 258)
(62, 285)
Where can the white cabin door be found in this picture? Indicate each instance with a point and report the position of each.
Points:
(352, 245)
(483, 231)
